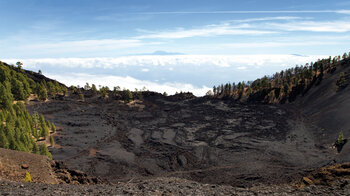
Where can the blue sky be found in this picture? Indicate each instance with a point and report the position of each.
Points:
(169, 45)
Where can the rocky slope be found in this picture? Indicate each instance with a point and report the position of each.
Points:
(326, 108)
(333, 180)
(15, 164)
(166, 186)
(209, 141)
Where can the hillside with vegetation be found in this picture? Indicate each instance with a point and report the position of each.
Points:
(287, 85)
(20, 130)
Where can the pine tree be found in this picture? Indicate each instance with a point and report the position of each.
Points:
(93, 88)
(53, 128)
(44, 132)
(6, 97)
(321, 72)
(36, 121)
(52, 141)
(64, 90)
(87, 87)
(52, 90)
(42, 121)
(341, 82)
(44, 151)
(3, 139)
(41, 92)
(12, 143)
(35, 149)
(345, 55)
(82, 98)
(104, 91)
(127, 96)
(4, 73)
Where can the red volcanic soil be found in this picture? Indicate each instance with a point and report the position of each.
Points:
(15, 164)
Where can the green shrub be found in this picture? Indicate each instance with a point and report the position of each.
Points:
(28, 178)
(127, 96)
(340, 140)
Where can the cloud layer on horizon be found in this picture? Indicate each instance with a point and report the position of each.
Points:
(128, 82)
(169, 61)
(170, 73)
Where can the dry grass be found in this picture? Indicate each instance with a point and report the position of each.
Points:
(326, 175)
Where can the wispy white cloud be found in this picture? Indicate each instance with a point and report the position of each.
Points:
(343, 11)
(258, 29)
(252, 27)
(338, 26)
(122, 18)
(278, 44)
(128, 82)
(250, 12)
(267, 19)
(80, 48)
(207, 31)
(85, 45)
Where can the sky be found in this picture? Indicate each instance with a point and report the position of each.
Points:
(169, 45)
